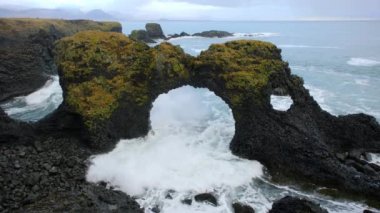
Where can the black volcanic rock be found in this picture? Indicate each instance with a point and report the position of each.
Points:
(207, 198)
(154, 31)
(240, 208)
(12, 131)
(213, 33)
(302, 143)
(52, 179)
(176, 35)
(26, 47)
(109, 94)
(295, 205)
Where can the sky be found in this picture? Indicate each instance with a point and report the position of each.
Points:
(219, 9)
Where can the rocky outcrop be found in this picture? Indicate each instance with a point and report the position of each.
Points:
(241, 208)
(176, 35)
(295, 205)
(154, 31)
(213, 34)
(26, 47)
(206, 198)
(141, 35)
(110, 81)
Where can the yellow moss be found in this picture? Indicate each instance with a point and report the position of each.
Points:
(244, 67)
(99, 68)
(169, 61)
(24, 27)
(95, 98)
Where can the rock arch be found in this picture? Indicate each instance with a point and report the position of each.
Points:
(110, 81)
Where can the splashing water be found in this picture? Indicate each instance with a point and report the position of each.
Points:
(36, 105)
(187, 153)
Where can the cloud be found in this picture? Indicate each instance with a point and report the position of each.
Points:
(174, 10)
(222, 9)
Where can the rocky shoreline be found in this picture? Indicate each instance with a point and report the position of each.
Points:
(109, 82)
(153, 32)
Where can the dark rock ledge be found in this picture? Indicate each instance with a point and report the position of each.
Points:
(26, 47)
(110, 81)
(295, 205)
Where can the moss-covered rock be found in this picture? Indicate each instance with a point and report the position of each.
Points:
(154, 31)
(26, 50)
(110, 81)
(242, 69)
(102, 73)
(141, 35)
(105, 74)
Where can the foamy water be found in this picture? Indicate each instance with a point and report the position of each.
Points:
(281, 103)
(187, 153)
(375, 158)
(36, 105)
(365, 62)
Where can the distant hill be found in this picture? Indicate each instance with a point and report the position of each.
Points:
(59, 13)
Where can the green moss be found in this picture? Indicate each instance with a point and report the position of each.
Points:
(98, 68)
(243, 66)
(169, 62)
(23, 27)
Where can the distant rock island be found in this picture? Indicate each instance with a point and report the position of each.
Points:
(154, 31)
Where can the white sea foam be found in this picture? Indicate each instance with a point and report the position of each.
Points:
(362, 82)
(375, 158)
(363, 62)
(37, 104)
(187, 151)
(321, 96)
(306, 46)
(256, 35)
(281, 103)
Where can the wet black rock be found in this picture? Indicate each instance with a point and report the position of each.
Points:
(241, 208)
(207, 198)
(40, 182)
(369, 211)
(154, 31)
(187, 201)
(290, 204)
(214, 33)
(176, 35)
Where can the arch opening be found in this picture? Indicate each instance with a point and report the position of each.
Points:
(36, 105)
(185, 153)
(281, 103)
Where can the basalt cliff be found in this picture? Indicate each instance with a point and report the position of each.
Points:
(109, 83)
(27, 51)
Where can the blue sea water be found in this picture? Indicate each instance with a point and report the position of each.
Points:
(339, 61)
(187, 153)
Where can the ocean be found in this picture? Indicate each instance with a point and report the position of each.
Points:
(186, 152)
